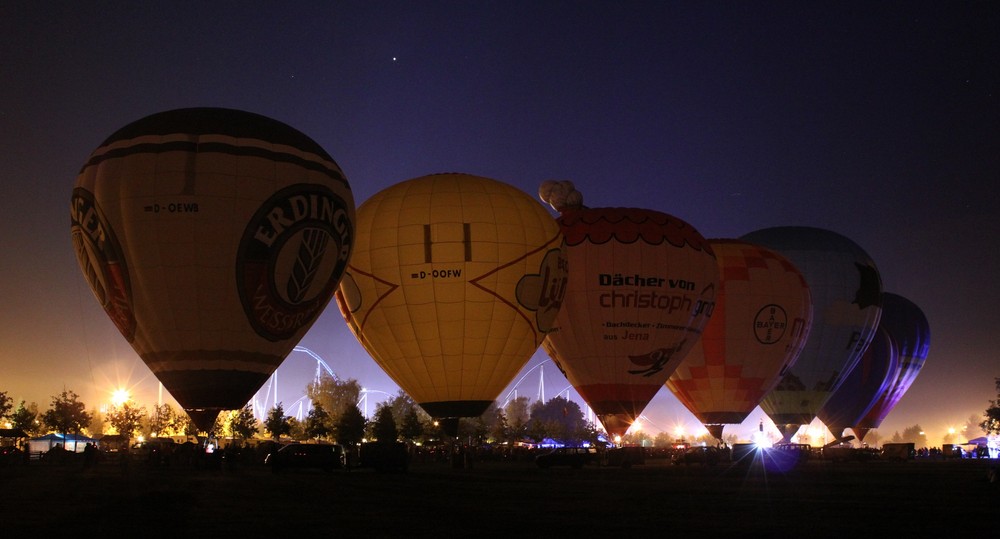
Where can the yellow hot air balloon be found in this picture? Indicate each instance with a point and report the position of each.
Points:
(213, 238)
(453, 284)
(641, 288)
(762, 317)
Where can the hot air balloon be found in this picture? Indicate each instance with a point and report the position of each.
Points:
(642, 285)
(846, 293)
(213, 238)
(762, 317)
(911, 335)
(866, 383)
(454, 282)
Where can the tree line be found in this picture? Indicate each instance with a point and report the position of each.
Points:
(335, 416)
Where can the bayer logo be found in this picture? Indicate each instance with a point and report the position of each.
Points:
(770, 323)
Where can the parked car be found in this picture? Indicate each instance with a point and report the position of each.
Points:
(625, 457)
(326, 457)
(743, 454)
(575, 457)
(783, 457)
(699, 454)
(10, 455)
(154, 451)
(113, 445)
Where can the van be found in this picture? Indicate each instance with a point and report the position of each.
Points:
(326, 457)
(898, 451)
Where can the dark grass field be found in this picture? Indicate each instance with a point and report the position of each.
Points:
(495, 499)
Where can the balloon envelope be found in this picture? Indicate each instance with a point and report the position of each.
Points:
(213, 238)
(846, 293)
(454, 281)
(866, 383)
(762, 317)
(911, 334)
(641, 287)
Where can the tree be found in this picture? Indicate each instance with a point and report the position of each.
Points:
(538, 430)
(238, 423)
(126, 418)
(334, 395)
(517, 413)
(96, 425)
(641, 437)
(350, 427)
(163, 420)
(221, 425)
(491, 426)
(184, 425)
(277, 422)
(384, 429)
(500, 430)
(244, 424)
(296, 429)
(67, 414)
(25, 418)
(478, 428)
(991, 425)
(559, 418)
(410, 418)
(914, 434)
(412, 427)
(469, 427)
(317, 424)
(663, 439)
(6, 403)
(401, 404)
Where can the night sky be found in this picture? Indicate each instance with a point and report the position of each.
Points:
(877, 122)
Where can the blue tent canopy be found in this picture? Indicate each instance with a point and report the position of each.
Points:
(69, 442)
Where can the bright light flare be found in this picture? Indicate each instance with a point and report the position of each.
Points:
(761, 440)
(120, 397)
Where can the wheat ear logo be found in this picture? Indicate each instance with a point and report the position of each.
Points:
(291, 257)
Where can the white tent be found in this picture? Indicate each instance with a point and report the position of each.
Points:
(991, 442)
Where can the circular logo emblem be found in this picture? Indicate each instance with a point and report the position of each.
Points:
(769, 324)
(102, 260)
(292, 254)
